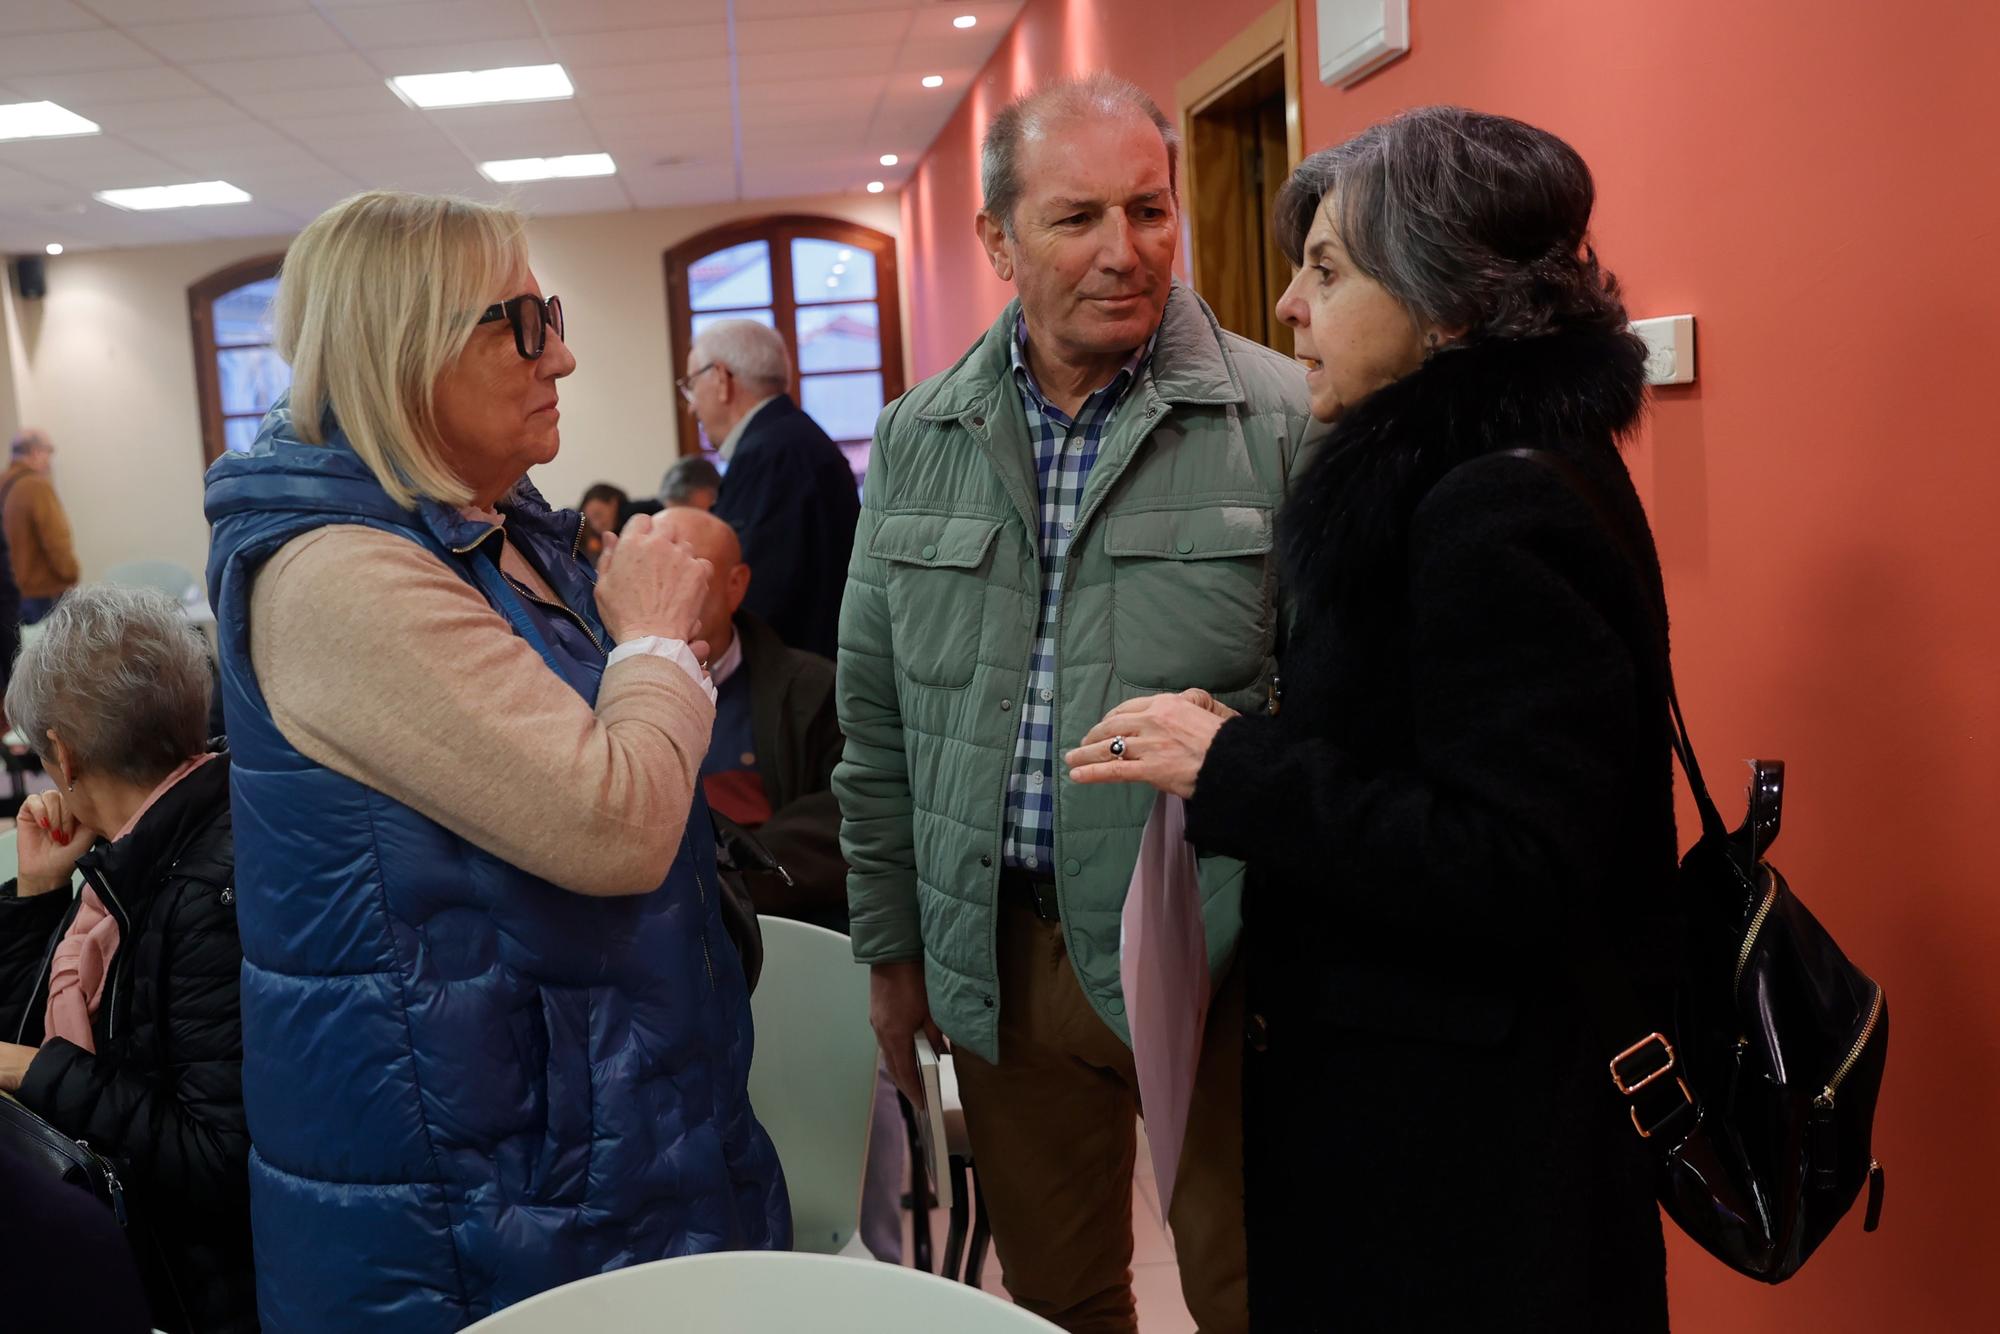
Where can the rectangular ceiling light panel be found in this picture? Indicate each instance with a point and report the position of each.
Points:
(42, 120)
(548, 168)
(484, 87)
(195, 195)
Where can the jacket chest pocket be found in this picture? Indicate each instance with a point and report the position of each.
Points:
(939, 568)
(1191, 597)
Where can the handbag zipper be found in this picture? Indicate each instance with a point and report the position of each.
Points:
(115, 1187)
(1824, 1101)
(1756, 925)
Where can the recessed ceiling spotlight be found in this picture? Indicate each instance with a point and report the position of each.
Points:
(876, 187)
(933, 80)
(890, 159)
(483, 87)
(833, 282)
(965, 21)
(548, 168)
(42, 120)
(54, 247)
(196, 194)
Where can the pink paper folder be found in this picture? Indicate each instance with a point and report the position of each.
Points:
(1163, 966)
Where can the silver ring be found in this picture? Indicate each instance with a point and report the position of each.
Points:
(1118, 747)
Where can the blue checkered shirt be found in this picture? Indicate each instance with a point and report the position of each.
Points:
(1065, 451)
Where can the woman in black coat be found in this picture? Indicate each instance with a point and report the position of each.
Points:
(119, 1022)
(1468, 780)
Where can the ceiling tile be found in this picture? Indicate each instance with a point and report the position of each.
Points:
(644, 76)
(29, 16)
(704, 41)
(681, 187)
(760, 183)
(770, 9)
(791, 99)
(442, 59)
(208, 162)
(645, 111)
(596, 194)
(139, 116)
(292, 74)
(785, 66)
(94, 164)
(169, 141)
(563, 17)
(23, 192)
(825, 32)
(440, 21)
(242, 38)
(374, 95)
(71, 53)
(83, 93)
(393, 120)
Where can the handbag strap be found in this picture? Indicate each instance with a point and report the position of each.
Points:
(1628, 545)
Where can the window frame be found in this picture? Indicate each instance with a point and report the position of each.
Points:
(202, 296)
(778, 231)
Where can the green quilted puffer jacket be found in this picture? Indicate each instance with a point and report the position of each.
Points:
(1170, 583)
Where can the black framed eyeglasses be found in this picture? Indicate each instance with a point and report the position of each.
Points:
(532, 318)
(686, 383)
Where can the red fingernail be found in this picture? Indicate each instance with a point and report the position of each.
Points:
(60, 837)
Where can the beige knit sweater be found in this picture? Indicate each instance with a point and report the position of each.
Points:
(383, 665)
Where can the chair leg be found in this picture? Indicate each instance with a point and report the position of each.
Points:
(920, 1193)
(982, 1234)
(961, 1209)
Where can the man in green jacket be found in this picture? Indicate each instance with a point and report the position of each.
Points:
(1077, 513)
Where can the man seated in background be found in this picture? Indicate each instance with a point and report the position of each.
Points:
(770, 769)
(788, 492)
(771, 755)
(607, 508)
(693, 482)
(37, 529)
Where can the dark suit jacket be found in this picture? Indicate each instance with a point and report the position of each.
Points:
(798, 743)
(789, 494)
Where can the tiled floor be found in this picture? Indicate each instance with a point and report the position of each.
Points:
(1156, 1278)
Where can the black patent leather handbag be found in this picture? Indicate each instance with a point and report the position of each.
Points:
(1757, 1094)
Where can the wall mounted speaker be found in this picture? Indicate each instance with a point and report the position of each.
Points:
(31, 277)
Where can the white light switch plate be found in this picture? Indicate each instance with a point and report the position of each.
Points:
(1669, 348)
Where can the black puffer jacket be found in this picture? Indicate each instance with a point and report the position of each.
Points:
(162, 1096)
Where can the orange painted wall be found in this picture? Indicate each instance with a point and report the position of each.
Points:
(1820, 191)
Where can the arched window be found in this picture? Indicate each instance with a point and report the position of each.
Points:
(237, 372)
(829, 287)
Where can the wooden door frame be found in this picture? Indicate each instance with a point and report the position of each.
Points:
(1275, 33)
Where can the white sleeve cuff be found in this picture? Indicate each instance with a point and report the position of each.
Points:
(675, 651)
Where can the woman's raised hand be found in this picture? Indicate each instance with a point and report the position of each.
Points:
(50, 841)
(650, 584)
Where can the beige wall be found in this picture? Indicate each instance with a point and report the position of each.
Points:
(105, 363)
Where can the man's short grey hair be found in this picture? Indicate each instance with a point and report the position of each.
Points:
(753, 352)
(122, 677)
(687, 476)
(26, 442)
(1034, 114)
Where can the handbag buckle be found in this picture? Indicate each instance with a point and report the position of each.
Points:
(1668, 1063)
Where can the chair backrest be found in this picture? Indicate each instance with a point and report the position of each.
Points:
(10, 854)
(812, 1080)
(175, 581)
(764, 1292)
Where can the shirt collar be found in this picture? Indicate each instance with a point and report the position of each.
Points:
(727, 449)
(725, 666)
(1024, 374)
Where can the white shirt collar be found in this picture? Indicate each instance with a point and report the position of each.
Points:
(725, 667)
(735, 437)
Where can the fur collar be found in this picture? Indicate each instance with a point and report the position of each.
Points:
(1347, 527)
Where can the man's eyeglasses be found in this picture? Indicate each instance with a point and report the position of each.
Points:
(532, 318)
(686, 383)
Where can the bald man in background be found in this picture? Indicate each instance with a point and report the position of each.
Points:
(770, 769)
(770, 759)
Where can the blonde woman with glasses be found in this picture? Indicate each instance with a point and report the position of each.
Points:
(496, 1037)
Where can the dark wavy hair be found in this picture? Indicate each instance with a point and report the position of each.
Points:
(1470, 220)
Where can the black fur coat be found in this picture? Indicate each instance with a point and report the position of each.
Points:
(1471, 752)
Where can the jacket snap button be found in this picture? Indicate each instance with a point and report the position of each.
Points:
(985, 859)
(988, 1001)
(930, 553)
(1073, 867)
(1184, 546)
(1257, 1032)
(1114, 1006)
(1006, 704)
(979, 421)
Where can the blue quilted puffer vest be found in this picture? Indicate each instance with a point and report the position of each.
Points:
(465, 1085)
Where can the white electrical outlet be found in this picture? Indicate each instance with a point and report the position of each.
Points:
(1669, 348)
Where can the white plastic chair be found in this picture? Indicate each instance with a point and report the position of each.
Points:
(764, 1292)
(812, 1081)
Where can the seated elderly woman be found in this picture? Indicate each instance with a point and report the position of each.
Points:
(495, 1034)
(120, 1002)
